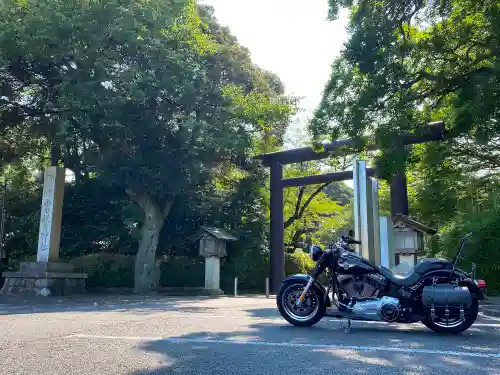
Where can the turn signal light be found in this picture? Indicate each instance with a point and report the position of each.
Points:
(481, 283)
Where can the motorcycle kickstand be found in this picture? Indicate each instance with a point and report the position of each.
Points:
(348, 327)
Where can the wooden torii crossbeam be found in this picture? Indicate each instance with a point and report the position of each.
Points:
(399, 193)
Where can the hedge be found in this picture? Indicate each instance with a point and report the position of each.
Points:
(182, 271)
(117, 271)
(106, 270)
(483, 248)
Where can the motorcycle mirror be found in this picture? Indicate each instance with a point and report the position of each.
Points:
(351, 233)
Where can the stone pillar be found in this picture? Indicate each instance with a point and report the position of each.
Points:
(387, 255)
(49, 235)
(47, 275)
(376, 253)
(356, 213)
(368, 225)
(212, 274)
(363, 211)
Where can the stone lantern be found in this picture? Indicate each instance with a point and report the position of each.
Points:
(408, 239)
(213, 248)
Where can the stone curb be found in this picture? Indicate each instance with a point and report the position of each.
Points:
(490, 312)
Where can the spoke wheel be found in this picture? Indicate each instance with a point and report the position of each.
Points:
(306, 309)
(308, 313)
(454, 323)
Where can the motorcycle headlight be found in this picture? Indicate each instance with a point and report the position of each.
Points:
(315, 252)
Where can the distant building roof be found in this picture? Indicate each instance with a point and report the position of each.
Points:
(218, 233)
(399, 219)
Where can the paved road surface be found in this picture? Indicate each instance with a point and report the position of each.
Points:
(226, 336)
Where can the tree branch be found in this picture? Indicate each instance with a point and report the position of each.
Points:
(294, 243)
(145, 200)
(299, 211)
(313, 195)
(167, 208)
(142, 200)
(29, 111)
(302, 189)
(295, 215)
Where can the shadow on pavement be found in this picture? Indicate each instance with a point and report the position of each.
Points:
(227, 353)
(486, 332)
(264, 343)
(102, 303)
(266, 312)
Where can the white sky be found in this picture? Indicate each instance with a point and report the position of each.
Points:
(291, 38)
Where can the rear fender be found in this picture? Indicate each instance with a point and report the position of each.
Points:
(304, 279)
(465, 280)
(474, 289)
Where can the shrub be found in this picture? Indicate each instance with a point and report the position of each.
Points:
(106, 270)
(182, 271)
(298, 262)
(251, 266)
(252, 271)
(484, 246)
(117, 271)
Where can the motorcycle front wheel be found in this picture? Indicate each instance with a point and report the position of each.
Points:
(308, 313)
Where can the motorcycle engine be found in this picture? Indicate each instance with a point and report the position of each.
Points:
(386, 309)
(363, 286)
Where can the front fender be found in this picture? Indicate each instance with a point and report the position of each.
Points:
(303, 278)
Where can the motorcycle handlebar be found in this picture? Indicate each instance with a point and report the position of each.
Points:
(351, 240)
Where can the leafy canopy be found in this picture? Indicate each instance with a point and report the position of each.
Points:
(132, 89)
(412, 61)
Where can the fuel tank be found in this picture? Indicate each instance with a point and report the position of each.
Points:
(353, 264)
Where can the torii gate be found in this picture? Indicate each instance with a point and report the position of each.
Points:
(399, 193)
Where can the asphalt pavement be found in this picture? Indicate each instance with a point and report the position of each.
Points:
(491, 307)
(206, 336)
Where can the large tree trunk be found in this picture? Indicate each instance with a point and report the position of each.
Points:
(146, 276)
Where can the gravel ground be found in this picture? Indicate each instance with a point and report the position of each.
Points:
(188, 336)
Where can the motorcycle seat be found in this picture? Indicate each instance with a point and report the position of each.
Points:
(406, 280)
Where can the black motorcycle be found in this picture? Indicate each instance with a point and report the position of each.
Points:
(435, 292)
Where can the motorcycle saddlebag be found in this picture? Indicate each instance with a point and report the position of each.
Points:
(442, 295)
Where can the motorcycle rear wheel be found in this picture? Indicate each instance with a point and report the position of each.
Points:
(455, 327)
(308, 313)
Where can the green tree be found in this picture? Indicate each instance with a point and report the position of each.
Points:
(312, 212)
(127, 90)
(482, 248)
(412, 61)
(22, 208)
